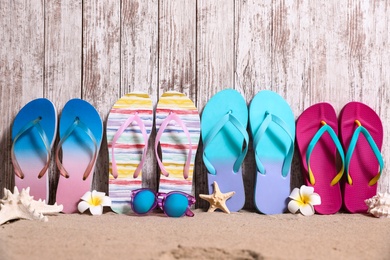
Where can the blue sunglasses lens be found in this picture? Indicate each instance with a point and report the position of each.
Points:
(143, 201)
(175, 205)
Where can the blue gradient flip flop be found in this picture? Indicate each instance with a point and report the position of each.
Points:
(272, 126)
(33, 133)
(223, 127)
(81, 132)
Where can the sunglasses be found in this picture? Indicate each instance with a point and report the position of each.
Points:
(174, 204)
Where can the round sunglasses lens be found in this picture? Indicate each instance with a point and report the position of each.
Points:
(143, 201)
(175, 205)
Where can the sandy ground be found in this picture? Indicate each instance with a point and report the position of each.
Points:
(242, 235)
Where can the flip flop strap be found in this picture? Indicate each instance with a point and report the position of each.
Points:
(325, 128)
(269, 118)
(169, 118)
(229, 117)
(68, 132)
(34, 123)
(120, 131)
(374, 147)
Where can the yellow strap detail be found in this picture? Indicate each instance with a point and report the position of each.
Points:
(323, 122)
(375, 179)
(349, 179)
(338, 176)
(311, 177)
(358, 122)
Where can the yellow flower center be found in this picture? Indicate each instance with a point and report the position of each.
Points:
(95, 201)
(305, 199)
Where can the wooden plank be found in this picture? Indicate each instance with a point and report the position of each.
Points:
(139, 63)
(177, 47)
(139, 46)
(101, 69)
(21, 70)
(215, 48)
(63, 51)
(253, 41)
(63, 57)
(215, 64)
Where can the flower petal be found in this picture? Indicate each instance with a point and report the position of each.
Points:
(87, 196)
(96, 210)
(106, 201)
(315, 199)
(295, 194)
(83, 206)
(306, 191)
(307, 210)
(98, 194)
(293, 206)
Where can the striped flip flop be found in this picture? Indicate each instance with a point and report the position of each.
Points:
(178, 133)
(128, 128)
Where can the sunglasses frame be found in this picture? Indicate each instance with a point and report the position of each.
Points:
(160, 198)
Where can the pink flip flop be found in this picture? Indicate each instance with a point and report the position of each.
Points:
(361, 134)
(317, 141)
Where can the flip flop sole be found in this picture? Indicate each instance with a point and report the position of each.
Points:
(226, 146)
(272, 189)
(174, 143)
(323, 158)
(77, 152)
(363, 164)
(30, 151)
(128, 148)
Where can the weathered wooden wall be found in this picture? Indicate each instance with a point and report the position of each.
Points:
(307, 51)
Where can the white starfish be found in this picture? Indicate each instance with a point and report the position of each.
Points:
(22, 206)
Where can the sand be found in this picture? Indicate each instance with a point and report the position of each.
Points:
(241, 235)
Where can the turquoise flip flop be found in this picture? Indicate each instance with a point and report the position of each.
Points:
(81, 132)
(272, 126)
(223, 126)
(33, 133)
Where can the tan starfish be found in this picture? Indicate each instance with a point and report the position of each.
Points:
(218, 199)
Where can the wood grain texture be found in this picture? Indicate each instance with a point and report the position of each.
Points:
(139, 64)
(21, 69)
(177, 47)
(63, 51)
(139, 47)
(101, 69)
(307, 51)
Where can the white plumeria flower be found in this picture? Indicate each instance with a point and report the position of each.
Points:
(304, 200)
(94, 201)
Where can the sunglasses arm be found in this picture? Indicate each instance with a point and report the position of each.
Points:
(189, 213)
